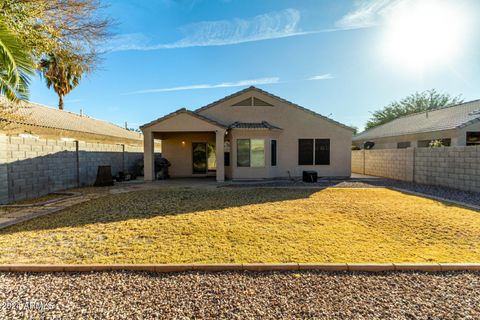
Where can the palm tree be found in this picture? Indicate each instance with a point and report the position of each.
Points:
(62, 72)
(16, 66)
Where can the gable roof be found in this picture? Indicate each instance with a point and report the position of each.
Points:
(252, 88)
(33, 114)
(180, 111)
(451, 117)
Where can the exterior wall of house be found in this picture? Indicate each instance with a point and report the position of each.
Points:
(32, 167)
(454, 167)
(264, 172)
(177, 148)
(295, 124)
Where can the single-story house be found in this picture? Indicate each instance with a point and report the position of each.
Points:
(251, 134)
(456, 125)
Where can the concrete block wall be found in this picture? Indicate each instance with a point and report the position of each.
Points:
(358, 161)
(39, 166)
(92, 155)
(389, 163)
(31, 167)
(454, 167)
(3, 169)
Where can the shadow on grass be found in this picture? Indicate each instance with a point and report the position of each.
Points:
(158, 202)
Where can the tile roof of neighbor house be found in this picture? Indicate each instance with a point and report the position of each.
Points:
(47, 117)
(452, 117)
(264, 125)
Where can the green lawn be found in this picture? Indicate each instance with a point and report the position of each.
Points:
(249, 225)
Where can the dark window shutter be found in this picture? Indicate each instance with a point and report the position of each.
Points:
(305, 152)
(226, 159)
(274, 153)
(322, 151)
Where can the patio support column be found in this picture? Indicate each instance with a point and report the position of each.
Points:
(148, 156)
(219, 141)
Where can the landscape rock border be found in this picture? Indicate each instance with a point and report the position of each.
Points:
(255, 267)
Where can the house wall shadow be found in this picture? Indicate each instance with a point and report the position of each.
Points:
(157, 202)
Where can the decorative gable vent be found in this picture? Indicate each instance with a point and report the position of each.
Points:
(252, 102)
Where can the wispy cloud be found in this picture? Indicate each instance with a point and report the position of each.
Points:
(367, 13)
(325, 76)
(272, 25)
(241, 83)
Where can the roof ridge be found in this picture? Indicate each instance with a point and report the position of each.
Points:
(275, 97)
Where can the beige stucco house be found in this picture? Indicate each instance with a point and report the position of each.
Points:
(457, 125)
(251, 134)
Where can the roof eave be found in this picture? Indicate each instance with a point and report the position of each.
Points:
(180, 111)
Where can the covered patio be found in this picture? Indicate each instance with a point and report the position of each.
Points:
(193, 144)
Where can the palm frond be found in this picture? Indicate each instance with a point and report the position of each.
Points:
(16, 66)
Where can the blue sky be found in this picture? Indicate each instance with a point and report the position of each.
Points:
(328, 56)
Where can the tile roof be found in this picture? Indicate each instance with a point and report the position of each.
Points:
(252, 88)
(46, 117)
(183, 110)
(452, 117)
(264, 125)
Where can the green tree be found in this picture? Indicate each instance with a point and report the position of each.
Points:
(69, 30)
(61, 73)
(16, 66)
(417, 102)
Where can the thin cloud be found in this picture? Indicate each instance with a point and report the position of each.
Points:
(367, 13)
(272, 25)
(241, 83)
(325, 76)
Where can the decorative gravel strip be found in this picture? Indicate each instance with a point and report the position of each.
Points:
(240, 295)
(454, 195)
(467, 197)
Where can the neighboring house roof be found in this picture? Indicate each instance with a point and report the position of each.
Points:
(252, 88)
(451, 117)
(32, 114)
(180, 111)
(264, 125)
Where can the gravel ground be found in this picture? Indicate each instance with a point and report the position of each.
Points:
(444, 192)
(273, 295)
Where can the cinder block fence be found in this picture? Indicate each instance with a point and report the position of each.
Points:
(31, 167)
(454, 167)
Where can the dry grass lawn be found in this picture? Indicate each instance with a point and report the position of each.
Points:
(249, 225)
